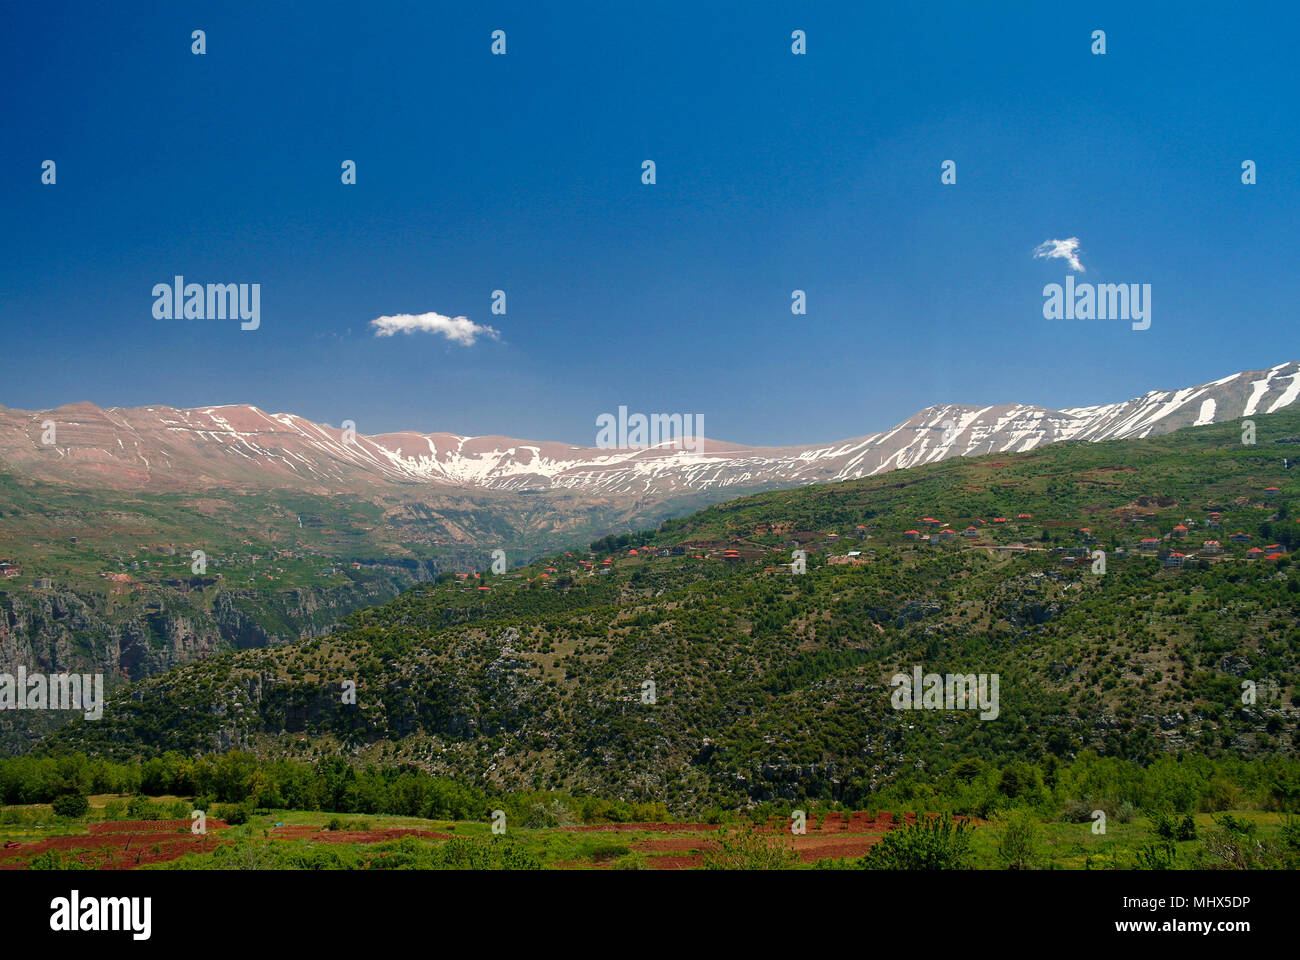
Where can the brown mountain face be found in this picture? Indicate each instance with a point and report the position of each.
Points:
(243, 448)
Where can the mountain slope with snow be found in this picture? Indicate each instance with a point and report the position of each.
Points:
(164, 448)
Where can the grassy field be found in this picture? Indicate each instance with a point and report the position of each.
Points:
(322, 840)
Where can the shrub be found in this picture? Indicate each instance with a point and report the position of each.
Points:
(552, 814)
(749, 850)
(935, 843)
(71, 805)
(1018, 840)
(1156, 855)
(53, 860)
(1162, 825)
(234, 814)
(609, 851)
(1081, 810)
(142, 808)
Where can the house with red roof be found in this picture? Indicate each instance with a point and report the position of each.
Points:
(1174, 560)
(970, 532)
(1180, 531)
(1211, 547)
(1148, 543)
(1254, 553)
(1240, 537)
(911, 534)
(1024, 516)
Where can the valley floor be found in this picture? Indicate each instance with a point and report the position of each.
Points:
(33, 838)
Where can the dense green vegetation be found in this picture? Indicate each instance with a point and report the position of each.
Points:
(770, 686)
(768, 689)
(1092, 813)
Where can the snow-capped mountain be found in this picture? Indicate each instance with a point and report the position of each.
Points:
(164, 448)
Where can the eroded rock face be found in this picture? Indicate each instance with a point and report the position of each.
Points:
(917, 610)
(53, 631)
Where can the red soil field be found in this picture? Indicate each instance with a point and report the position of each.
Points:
(352, 836)
(126, 844)
(645, 827)
(121, 845)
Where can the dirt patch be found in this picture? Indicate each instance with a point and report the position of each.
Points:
(646, 827)
(150, 826)
(121, 845)
(674, 845)
(304, 832)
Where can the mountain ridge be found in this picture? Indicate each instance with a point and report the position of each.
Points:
(163, 447)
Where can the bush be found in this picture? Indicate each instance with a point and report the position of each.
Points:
(1234, 844)
(1156, 855)
(1078, 811)
(749, 850)
(234, 814)
(935, 843)
(142, 808)
(1018, 840)
(1163, 826)
(552, 814)
(609, 851)
(53, 860)
(71, 805)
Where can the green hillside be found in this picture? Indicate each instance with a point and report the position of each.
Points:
(770, 685)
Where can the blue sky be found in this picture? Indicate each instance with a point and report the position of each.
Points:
(523, 172)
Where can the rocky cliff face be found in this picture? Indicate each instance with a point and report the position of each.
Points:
(62, 630)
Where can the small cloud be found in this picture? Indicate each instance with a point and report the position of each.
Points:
(460, 330)
(1067, 250)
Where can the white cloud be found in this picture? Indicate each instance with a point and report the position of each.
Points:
(1067, 250)
(460, 330)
